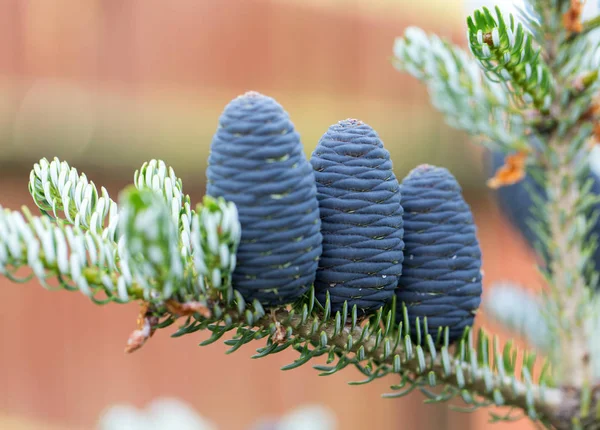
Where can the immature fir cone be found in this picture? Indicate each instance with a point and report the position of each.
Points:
(441, 277)
(257, 162)
(361, 218)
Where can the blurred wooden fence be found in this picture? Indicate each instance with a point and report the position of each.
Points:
(196, 45)
(87, 79)
(60, 356)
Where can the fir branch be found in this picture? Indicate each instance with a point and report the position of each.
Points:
(198, 284)
(559, 79)
(56, 187)
(505, 51)
(568, 229)
(458, 89)
(78, 260)
(564, 224)
(105, 268)
(477, 371)
(150, 242)
(158, 177)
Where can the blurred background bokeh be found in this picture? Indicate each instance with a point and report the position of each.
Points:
(109, 84)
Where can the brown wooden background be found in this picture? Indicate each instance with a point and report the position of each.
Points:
(108, 84)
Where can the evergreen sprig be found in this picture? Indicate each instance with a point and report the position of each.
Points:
(156, 176)
(548, 62)
(459, 89)
(475, 370)
(78, 260)
(56, 188)
(142, 257)
(506, 52)
(150, 241)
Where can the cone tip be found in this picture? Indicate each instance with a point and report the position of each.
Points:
(251, 94)
(350, 122)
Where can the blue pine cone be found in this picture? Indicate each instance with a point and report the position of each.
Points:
(441, 278)
(257, 162)
(361, 218)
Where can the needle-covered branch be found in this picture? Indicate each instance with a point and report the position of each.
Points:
(476, 371)
(458, 88)
(547, 63)
(506, 52)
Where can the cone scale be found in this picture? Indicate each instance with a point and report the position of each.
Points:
(257, 162)
(361, 218)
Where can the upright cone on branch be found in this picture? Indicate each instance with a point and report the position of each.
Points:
(441, 278)
(257, 162)
(361, 216)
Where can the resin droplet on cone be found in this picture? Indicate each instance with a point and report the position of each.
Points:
(257, 162)
(361, 218)
(441, 277)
